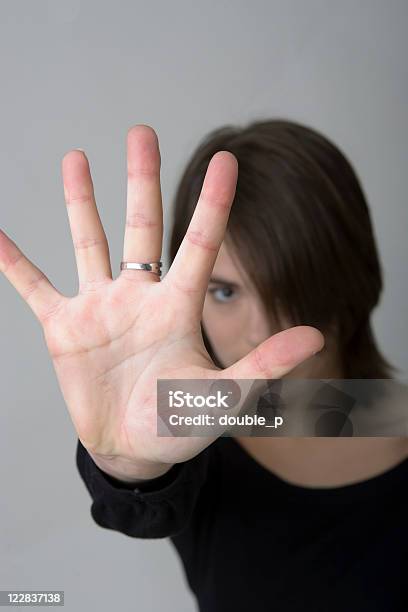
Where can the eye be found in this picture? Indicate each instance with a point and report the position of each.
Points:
(222, 294)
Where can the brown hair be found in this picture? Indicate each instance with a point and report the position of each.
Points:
(301, 222)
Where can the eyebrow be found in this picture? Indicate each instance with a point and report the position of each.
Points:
(222, 281)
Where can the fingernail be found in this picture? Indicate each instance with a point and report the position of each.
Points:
(319, 351)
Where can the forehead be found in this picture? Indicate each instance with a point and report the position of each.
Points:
(228, 267)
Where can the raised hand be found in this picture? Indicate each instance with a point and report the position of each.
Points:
(111, 342)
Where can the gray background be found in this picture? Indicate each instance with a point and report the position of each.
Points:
(79, 74)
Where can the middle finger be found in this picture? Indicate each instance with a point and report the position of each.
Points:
(144, 212)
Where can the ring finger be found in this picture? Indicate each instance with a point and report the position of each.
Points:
(88, 235)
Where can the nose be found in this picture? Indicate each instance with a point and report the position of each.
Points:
(258, 325)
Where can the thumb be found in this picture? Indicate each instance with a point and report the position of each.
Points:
(278, 355)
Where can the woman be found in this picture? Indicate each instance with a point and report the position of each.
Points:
(260, 523)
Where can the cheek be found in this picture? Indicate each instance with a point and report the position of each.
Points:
(223, 325)
(224, 320)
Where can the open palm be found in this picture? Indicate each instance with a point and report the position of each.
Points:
(114, 339)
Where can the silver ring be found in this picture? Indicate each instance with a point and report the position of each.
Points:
(153, 266)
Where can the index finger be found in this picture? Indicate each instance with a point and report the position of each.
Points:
(190, 271)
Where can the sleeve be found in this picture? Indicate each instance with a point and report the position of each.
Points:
(157, 508)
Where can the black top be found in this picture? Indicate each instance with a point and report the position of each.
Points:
(251, 541)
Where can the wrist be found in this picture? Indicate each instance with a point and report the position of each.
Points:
(130, 471)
